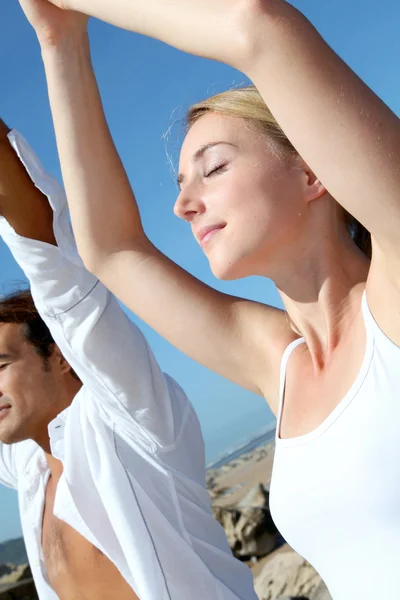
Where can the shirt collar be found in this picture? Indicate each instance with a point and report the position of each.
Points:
(56, 433)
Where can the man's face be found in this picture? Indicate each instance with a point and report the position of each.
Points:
(29, 390)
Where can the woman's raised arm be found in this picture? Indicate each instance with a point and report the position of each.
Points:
(347, 135)
(239, 339)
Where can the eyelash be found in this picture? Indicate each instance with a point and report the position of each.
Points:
(215, 170)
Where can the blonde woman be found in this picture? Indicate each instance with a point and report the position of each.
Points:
(279, 196)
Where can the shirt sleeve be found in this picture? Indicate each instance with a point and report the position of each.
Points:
(8, 467)
(104, 347)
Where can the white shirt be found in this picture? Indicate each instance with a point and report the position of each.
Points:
(133, 481)
(335, 492)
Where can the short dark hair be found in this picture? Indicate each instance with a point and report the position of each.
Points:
(19, 308)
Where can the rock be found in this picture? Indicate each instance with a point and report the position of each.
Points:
(293, 598)
(19, 591)
(288, 575)
(322, 593)
(17, 583)
(12, 573)
(26, 573)
(249, 526)
(6, 570)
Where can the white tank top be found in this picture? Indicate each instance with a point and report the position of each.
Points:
(335, 492)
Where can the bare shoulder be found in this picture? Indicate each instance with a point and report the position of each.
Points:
(383, 290)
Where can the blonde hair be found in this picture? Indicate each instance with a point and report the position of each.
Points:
(248, 104)
(245, 103)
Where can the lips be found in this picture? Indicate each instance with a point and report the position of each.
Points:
(4, 410)
(205, 233)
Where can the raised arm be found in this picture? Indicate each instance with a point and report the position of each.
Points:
(21, 203)
(239, 339)
(344, 132)
(102, 345)
(16, 189)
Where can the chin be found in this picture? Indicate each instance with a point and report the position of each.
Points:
(231, 269)
(12, 437)
(7, 439)
(226, 272)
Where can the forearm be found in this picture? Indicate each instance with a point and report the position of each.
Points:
(173, 22)
(339, 127)
(102, 205)
(21, 203)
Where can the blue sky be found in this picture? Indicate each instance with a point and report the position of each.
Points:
(146, 87)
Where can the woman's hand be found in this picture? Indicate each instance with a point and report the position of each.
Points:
(52, 23)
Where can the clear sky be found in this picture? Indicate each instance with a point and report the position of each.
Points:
(146, 87)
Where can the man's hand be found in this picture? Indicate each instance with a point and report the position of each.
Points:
(53, 24)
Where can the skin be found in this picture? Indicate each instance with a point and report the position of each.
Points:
(266, 203)
(280, 221)
(36, 392)
(33, 393)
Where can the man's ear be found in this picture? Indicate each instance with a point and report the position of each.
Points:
(61, 362)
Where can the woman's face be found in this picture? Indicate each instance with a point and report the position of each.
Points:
(243, 202)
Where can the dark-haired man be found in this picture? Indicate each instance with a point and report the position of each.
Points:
(107, 458)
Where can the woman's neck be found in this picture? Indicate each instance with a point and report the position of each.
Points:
(322, 296)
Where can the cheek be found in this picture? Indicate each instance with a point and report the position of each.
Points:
(277, 198)
(24, 384)
(11, 379)
(256, 209)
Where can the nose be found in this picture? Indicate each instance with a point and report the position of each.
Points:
(188, 205)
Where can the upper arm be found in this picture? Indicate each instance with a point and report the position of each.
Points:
(383, 290)
(240, 339)
(114, 361)
(345, 133)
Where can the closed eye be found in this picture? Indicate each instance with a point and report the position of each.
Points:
(216, 169)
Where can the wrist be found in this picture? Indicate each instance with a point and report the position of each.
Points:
(64, 47)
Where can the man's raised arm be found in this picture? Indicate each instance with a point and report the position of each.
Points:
(21, 203)
(107, 351)
(29, 213)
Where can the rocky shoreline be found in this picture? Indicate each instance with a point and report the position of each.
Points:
(239, 492)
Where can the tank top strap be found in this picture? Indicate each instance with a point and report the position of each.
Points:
(372, 328)
(366, 311)
(282, 378)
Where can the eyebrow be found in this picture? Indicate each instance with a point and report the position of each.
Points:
(199, 153)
